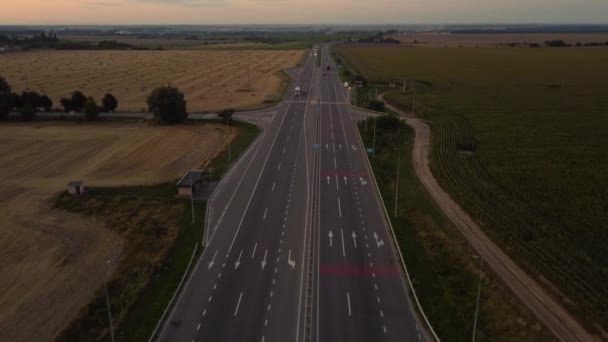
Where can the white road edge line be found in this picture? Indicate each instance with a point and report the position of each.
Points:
(348, 300)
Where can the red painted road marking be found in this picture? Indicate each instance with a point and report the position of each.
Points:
(344, 174)
(357, 270)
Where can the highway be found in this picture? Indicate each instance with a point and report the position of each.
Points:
(297, 247)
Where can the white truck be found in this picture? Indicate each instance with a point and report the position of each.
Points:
(298, 91)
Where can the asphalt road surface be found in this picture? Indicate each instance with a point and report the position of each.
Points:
(298, 248)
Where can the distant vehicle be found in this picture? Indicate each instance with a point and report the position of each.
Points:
(345, 84)
(328, 67)
(298, 91)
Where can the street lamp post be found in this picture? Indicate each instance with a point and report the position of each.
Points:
(397, 182)
(478, 295)
(105, 283)
(374, 147)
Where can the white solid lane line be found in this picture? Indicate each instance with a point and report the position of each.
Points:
(265, 211)
(236, 311)
(339, 208)
(343, 248)
(273, 184)
(348, 301)
(254, 248)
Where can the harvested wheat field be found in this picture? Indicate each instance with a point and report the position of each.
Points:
(52, 262)
(493, 40)
(211, 80)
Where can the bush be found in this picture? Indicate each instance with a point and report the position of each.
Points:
(376, 105)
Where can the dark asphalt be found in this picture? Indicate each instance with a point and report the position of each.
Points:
(268, 272)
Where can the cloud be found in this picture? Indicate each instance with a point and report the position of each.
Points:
(189, 3)
(103, 4)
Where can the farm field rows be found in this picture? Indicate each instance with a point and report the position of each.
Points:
(492, 40)
(210, 80)
(53, 261)
(519, 140)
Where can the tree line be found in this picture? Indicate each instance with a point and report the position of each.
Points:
(167, 103)
(29, 102)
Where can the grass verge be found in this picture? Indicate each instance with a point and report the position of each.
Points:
(159, 240)
(440, 261)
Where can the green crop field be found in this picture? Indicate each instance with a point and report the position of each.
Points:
(520, 140)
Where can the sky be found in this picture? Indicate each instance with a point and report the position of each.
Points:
(205, 12)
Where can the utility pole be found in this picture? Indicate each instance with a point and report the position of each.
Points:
(397, 182)
(374, 147)
(478, 295)
(105, 284)
(229, 142)
(191, 197)
(414, 102)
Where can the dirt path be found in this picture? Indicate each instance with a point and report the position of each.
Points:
(547, 309)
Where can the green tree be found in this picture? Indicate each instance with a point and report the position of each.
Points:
(46, 103)
(168, 105)
(91, 110)
(78, 101)
(6, 99)
(67, 104)
(226, 114)
(109, 102)
(28, 113)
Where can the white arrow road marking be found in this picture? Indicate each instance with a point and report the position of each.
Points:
(379, 242)
(330, 235)
(362, 181)
(340, 145)
(236, 311)
(343, 248)
(291, 263)
(264, 262)
(327, 180)
(212, 261)
(254, 248)
(334, 147)
(238, 261)
(354, 236)
(345, 180)
(354, 147)
(326, 147)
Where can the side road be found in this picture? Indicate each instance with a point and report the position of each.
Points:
(546, 308)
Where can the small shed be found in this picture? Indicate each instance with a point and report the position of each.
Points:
(76, 188)
(190, 183)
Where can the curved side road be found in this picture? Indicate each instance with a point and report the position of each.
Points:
(557, 319)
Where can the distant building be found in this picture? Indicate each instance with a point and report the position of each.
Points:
(76, 188)
(190, 183)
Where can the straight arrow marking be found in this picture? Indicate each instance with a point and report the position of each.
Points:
(238, 261)
(343, 248)
(354, 236)
(212, 261)
(264, 262)
(330, 235)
